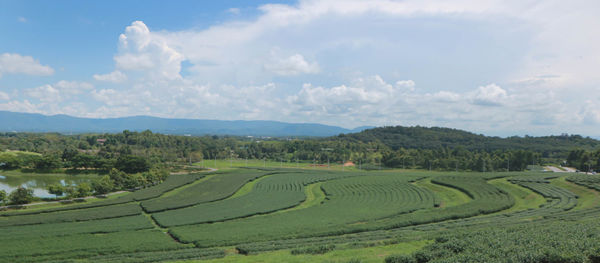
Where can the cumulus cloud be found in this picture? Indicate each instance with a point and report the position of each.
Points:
(4, 96)
(45, 93)
(233, 10)
(343, 51)
(141, 49)
(73, 87)
(489, 95)
(446, 96)
(590, 113)
(59, 91)
(11, 63)
(292, 65)
(114, 77)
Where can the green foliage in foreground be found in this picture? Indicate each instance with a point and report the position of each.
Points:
(72, 228)
(348, 214)
(73, 215)
(57, 248)
(551, 242)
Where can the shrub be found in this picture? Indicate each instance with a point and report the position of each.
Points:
(322, 249)
(399, 259)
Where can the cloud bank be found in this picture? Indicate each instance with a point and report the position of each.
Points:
(499, 67)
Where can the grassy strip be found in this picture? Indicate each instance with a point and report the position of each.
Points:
(45, 249)
(66, 229)
(340, 254)
(104, 212)
(449, 196)
(587, 198)
(524, 198)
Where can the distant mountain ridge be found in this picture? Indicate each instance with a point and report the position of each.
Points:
(32, 122)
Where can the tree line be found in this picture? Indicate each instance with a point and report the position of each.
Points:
(412, 147)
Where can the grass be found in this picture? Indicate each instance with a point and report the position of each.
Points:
(524, 198)
(587, 198)
(182, 188)
(364, 255)
(449, 196)
(247, 188)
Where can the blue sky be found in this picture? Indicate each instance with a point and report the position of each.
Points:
(494, 67)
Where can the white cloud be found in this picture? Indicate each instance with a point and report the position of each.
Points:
(343, 50)
(115, 77)
(46, 93)
(4, 96)
(408, 85)
(293, 65)
(107, 96)
(590, 113)
(489, 95)
(233, 10)
(446, 96)
(59, 91)
(16, 64)
(22, 19)
(141, 49)
(73, 87)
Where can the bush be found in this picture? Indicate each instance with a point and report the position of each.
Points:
(399, 259)
(21, 195)
(322, 249)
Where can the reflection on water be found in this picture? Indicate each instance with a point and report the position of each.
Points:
(38, 183)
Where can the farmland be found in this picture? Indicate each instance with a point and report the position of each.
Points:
(306, 214)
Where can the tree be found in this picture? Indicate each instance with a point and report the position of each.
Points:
(103, 185)
(3, 196)
(84, 189)
(56, 189)
(9, 161)
(155, 176)
(71, 191)
(132, 164)
(118, 178)
(21, 195)
(48, 162)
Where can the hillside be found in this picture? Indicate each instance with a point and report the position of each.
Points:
(435, 137)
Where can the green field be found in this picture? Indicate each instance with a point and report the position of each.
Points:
(320, 214)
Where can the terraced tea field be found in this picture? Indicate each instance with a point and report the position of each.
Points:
(302, 215)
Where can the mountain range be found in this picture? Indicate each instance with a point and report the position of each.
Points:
(32, 122)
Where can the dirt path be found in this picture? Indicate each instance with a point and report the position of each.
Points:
(559, 170)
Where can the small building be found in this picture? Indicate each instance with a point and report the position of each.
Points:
(100, 141)
(349, 164)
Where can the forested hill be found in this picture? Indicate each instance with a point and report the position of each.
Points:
(417, 137)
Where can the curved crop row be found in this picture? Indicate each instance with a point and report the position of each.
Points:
(73, 215)
(272, 193)
(350, 204)
(218, 187)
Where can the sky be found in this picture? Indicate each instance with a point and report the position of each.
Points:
(495, 67)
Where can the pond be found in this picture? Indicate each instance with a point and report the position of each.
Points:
(38, 183)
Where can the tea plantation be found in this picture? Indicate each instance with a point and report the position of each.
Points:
(318, 215)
